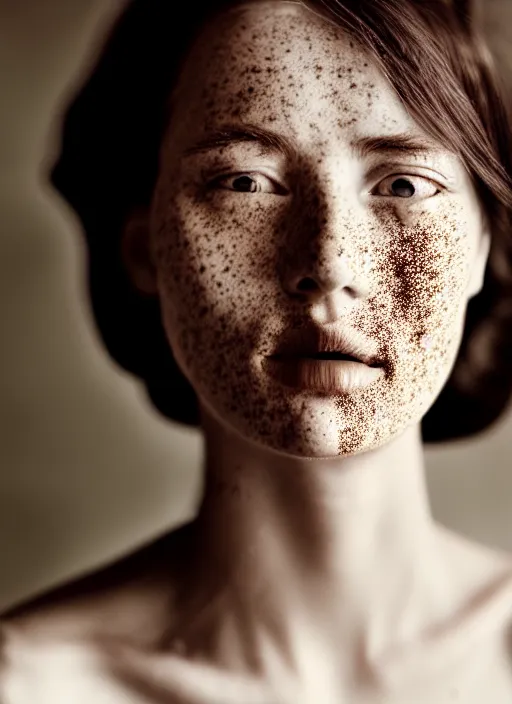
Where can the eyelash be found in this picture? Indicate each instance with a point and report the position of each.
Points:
(251, 174)
(395, 177)
(410, 178)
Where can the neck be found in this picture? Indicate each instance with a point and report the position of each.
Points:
(329, 547)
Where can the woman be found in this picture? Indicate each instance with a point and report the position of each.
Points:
(310, 204)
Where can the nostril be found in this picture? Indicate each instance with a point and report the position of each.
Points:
(307, 284)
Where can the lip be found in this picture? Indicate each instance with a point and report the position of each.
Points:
(311, 340)
(331, 376)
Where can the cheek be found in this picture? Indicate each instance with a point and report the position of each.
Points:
(435, 257)
(423, 273)
(427, 266)
(208, 248)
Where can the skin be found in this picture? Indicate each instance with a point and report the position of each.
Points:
(223, 257)
(314, 567)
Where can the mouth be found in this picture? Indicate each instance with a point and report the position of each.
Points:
(323, 372)
(332, 356)
(332, 349)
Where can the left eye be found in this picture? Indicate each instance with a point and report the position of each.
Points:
(407, 187)
(247, 183)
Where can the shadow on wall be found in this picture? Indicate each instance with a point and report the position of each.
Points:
(88, 469)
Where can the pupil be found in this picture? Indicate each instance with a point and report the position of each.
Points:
(245, 183)
(402, 187)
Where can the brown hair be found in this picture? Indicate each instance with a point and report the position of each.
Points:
(444, 74)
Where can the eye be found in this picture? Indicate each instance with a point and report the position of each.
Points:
(247, 183)
(407, 187)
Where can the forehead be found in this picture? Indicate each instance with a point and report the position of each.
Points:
(279, 64)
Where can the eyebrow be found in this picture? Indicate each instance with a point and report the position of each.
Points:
(236, 134)
(270, 141)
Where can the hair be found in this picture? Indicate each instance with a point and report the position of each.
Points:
(443, 72)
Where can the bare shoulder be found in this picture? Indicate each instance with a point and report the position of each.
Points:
(66, 629)
(3, 662)
(484, 578)
(125, 599)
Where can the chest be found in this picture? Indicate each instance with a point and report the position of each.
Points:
(73, 674)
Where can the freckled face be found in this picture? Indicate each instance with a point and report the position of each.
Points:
(390, 238)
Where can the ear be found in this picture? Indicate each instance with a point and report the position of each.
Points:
(136, 252)
(476, 281)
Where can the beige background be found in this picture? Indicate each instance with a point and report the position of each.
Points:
(87, 470)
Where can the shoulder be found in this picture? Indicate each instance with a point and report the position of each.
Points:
(100, 600)
(128, 601)
(38, 669)
(484, 617)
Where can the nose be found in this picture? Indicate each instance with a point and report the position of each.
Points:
(317, 269)
(327, 273)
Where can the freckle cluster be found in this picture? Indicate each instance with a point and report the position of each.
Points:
(227, 261)
(421, 272)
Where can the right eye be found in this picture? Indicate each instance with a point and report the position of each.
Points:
(248, 183)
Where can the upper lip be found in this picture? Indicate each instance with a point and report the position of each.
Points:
(310, 341)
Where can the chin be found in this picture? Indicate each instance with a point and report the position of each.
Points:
(311, 428)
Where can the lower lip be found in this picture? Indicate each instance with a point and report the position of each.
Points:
(324, 375)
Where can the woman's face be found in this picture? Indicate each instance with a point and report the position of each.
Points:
(389, 238)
